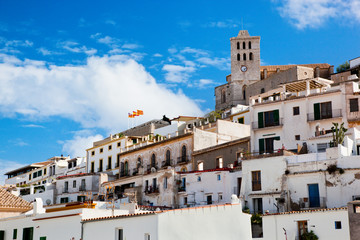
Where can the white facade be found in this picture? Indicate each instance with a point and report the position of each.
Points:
(325, 223)
(207, 187)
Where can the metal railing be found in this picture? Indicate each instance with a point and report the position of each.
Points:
(166, 163)
(183, 159)
(82, 188)
(256, 155)
(255, 125)
(335, 113)
(312, 202)
(152, 189)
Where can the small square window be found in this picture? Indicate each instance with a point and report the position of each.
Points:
(119, 144)
(337, 224)
(92, 153)
(297, 137)
(109, 147)
(101, 150)
(262, 90)
(296, 111)
(241, 120)
(354, 105)
(218, 177)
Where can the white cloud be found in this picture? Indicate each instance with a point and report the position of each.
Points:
(19, 43)
(314, 13)
(97, 94)
(220, 63)
(77, 146)
(157, 55)
(110, 22)
(177, 73)
(223, 24)
(6, 166)
(76, 48)
(32, 126)
(204, 83)
(18, 142)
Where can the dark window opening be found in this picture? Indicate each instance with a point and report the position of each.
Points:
(354, 106)
(250, 56)
(262, 90)
(209, 199)
(296, 111)
(297, 137)
(153, 160)
(238, 45)
(238, 56)
(250, 46)
(244, 45)
(244, 57)
(337, 224)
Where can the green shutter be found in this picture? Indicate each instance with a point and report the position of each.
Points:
(42, 238)
(316, 111)
(261, 145)
(260, 119)
(276, 117)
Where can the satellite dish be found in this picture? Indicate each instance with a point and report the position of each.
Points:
(48, 201)
(153, 169)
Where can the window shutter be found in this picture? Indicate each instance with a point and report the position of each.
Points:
(276, 117)
(316, 111)
(261, 145)
(277, 138)
(260, 119)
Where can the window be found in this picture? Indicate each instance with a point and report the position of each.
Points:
(244, 45)
(244, 57)
(302, 227)
(183, 184)
(297, 137)
(218, 177)
(219, 162)
(44, 171)
(92, 153)
(244, 92)
(168, 158)
(15, 233)
(153, 160)
(92, 167)
(35, 175)
(101, 150)
(147, 236)
(296, 111)
(250, 56)
(183, 153)
(74, 184)
(64, 200)
(100, 165)
(53, 172)
(138, 164)
(209, 199)
(117, 160)
(66, 186)
(154, 183)
(241, 120)
(337, 224)
(322, 110)
(256, 180)
(268, 119)
(258, 205)
(30, 176)
(250, 46)
(2, 235)
(238, 56)
(81, 198)
(354, 106)
(262, 90)
(185, 201)
(83, 185)
(220, 197)
(223, 96)
(109, 147)
(126, 168)
(109, 163)
(238, 45)
(165, 182)
(39, 173)
(118, 144)
(28, 233)
(267, 144)
(199, 178)
(120, 234)
(42, 238)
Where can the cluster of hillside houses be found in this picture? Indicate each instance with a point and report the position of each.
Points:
(268, 151)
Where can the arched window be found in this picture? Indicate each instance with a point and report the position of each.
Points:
(183, 153)
(238, 56)
(244, 45)
(244, 92)
(126, 168)
(223, 96)
(153, 160)
(238, 45)
(249, 45)
(168, 155)
(138, 163)
(251, 56)
(244, 57)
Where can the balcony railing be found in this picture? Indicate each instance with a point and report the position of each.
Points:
(183, 159)
(135, 171)
(335, 113)
(182, 189)
(152, 189)
(257, 155)
(166, 163)
(312, 202)
(108, 167)
(280, 122)
(82, 188)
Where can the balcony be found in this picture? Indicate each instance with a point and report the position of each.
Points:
(279, 123)
(82, 188)
(152, 190)
(124, 173)
(182, 189)
(335, 113)
(166, 163)
(312, 202)
(183, 160)
(135, 171)
(108, 167)
(257, 155)
(149, 167)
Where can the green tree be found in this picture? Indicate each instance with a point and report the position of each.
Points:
(343, 67)
(338, 134)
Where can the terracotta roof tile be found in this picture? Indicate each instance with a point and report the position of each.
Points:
(8, 200)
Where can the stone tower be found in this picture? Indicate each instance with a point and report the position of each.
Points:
(245, 70)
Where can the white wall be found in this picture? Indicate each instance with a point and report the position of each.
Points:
(321, 222)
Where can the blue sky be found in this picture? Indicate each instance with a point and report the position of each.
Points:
(70, 71)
